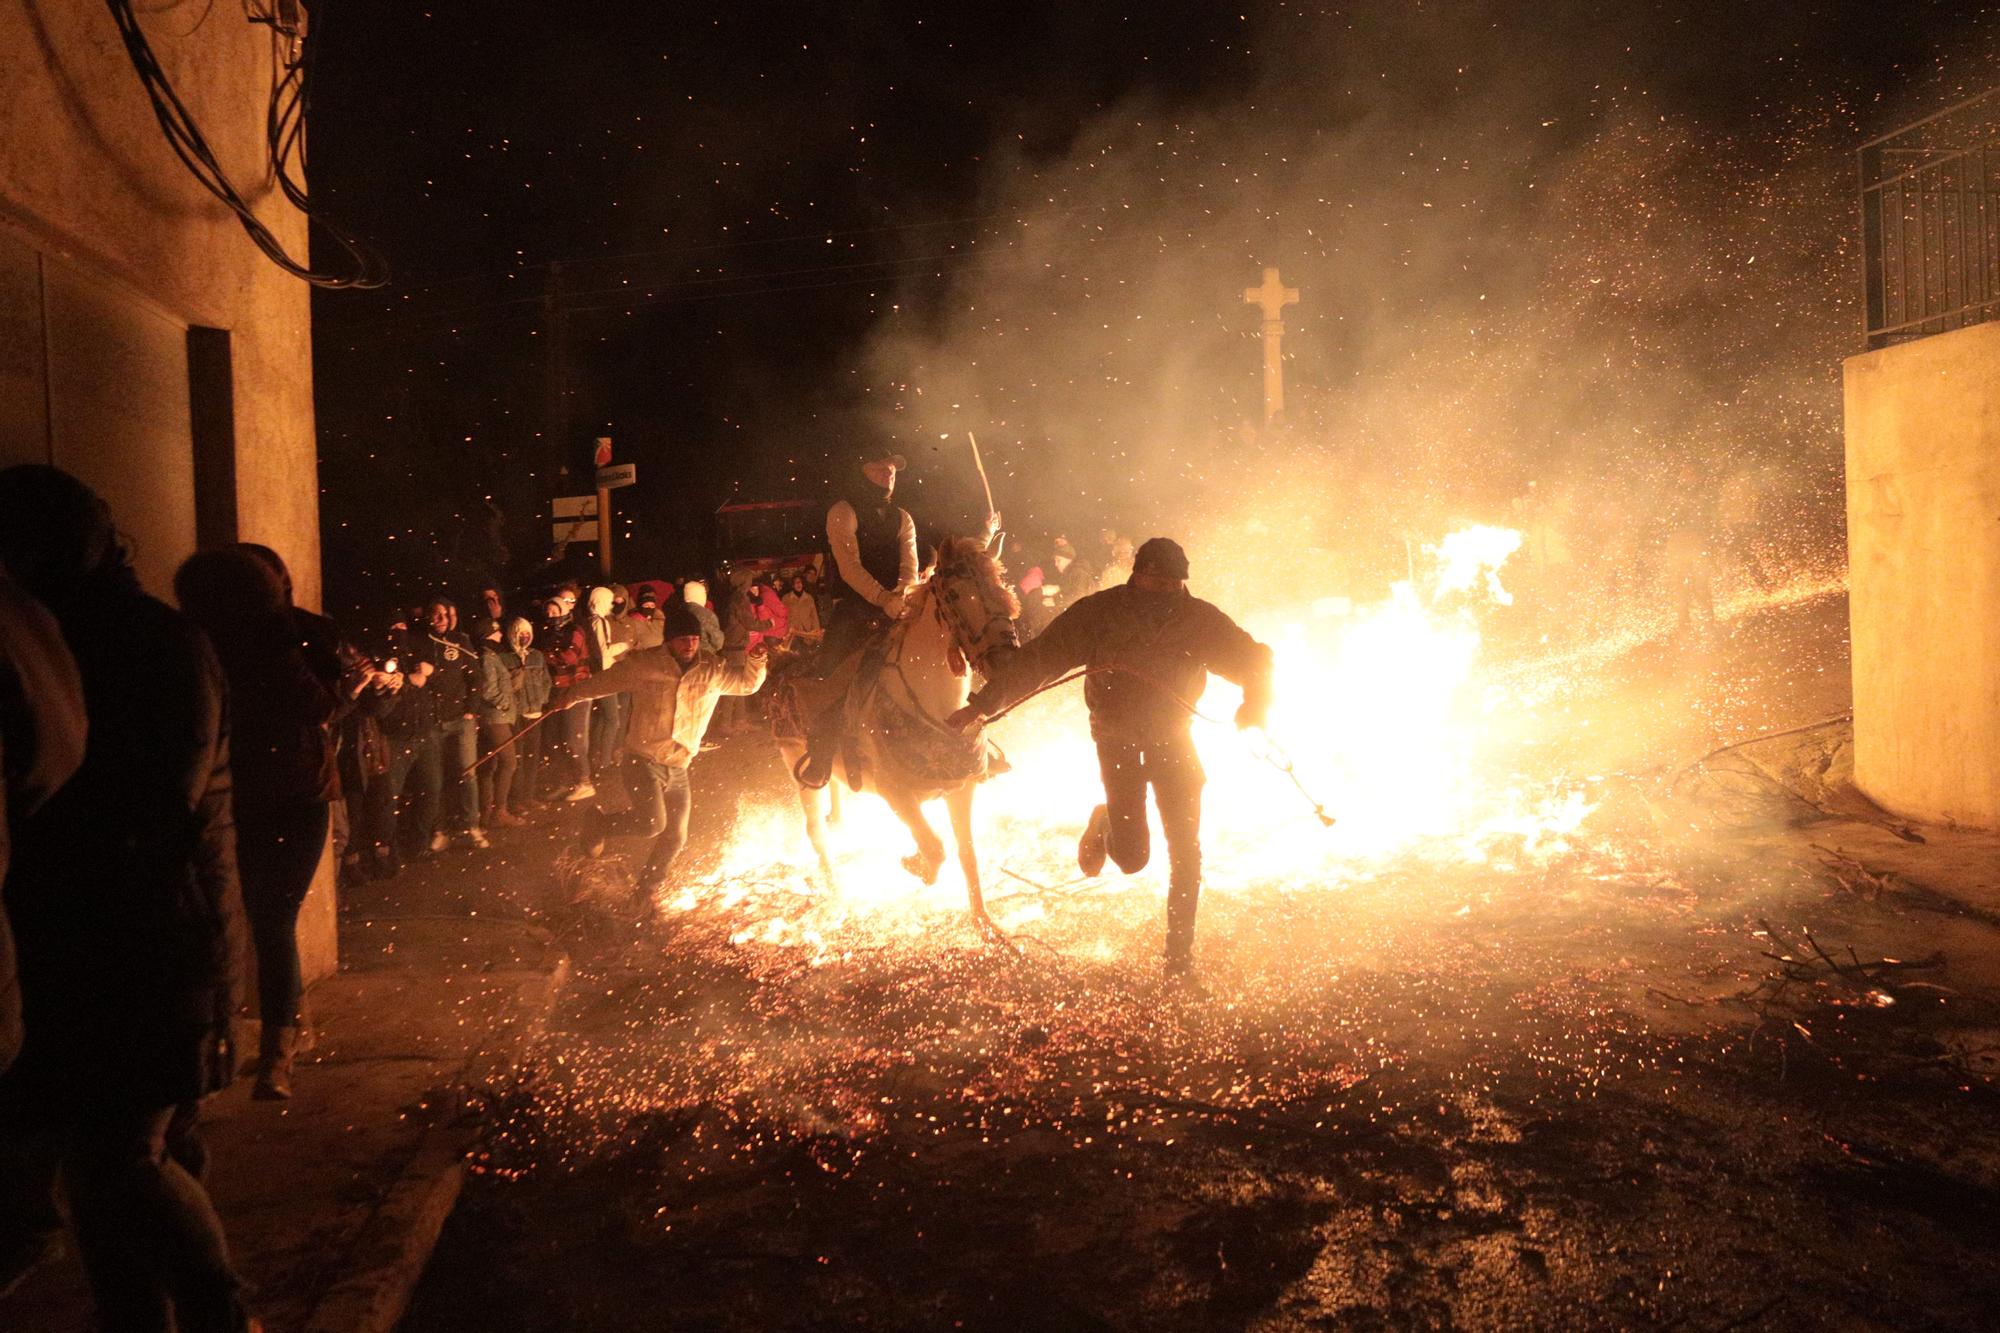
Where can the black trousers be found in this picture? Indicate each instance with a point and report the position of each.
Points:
(419, 760)
(661, 803)
(149, 1237)
(1173, 770)
(276, 855)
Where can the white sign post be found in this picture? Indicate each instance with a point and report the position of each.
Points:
(575, 520)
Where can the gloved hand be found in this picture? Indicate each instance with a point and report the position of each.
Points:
(965, 719)
(893, 604)
(1253, 713)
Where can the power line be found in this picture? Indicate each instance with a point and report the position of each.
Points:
(184, 136)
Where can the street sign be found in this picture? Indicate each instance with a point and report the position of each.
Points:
(576, 519)
(619, 474)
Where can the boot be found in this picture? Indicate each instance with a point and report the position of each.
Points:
(1095, 844)
(274, 1065)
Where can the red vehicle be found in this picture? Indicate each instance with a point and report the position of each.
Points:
(776, 537)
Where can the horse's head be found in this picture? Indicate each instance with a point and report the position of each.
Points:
(973, 600)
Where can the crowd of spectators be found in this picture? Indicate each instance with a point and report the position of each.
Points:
(174, 778)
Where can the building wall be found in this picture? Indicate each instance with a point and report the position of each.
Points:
(145, 343)
(1923, 525)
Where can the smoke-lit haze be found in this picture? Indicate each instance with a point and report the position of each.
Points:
(1546, 270)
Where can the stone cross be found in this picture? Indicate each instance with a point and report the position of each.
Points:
(1272, 298)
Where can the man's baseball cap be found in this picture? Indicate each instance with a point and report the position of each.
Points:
(882, 453)
(1161, 556)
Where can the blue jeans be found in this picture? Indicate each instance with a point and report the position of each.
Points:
(576, 736)
(661, 802)
(607, 733)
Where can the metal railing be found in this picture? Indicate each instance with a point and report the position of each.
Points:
(1930, 223)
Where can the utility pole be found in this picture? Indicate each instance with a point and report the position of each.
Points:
(603, 460)
(1272, 298)
(555, 323)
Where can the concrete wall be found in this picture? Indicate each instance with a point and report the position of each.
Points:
(145, 343)
(1923, 529)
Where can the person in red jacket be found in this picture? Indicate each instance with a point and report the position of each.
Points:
(566, 648)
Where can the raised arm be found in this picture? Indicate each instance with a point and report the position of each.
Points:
(632, 672)
(737, 673)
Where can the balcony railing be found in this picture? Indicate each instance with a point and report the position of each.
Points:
(1930, 223)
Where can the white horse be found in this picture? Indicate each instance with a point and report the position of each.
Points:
(898, 739)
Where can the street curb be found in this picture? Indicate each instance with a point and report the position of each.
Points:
(396, 1244)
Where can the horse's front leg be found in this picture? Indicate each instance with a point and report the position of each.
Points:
(811, 802)
(929, 855)
(958, 801)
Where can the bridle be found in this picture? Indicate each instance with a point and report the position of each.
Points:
(964, 644)
(969, 645)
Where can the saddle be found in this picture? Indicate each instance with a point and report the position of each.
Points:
(807, 698)
(839, 700)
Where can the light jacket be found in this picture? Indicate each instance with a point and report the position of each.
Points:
(671, 706)
(804, 612)
(497, 701)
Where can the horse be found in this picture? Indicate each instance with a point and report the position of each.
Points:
(899, 742)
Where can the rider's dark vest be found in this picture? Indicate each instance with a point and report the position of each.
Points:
(878, 530)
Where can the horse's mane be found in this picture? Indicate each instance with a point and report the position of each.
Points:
(970, 554)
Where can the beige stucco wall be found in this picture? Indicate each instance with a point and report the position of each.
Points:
(87, 178)
(1923, 525)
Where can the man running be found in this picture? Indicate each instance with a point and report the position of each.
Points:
(674, 689)
(1149, 647)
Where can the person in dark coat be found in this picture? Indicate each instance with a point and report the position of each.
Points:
(1150, 647)
(399, 702)
(41, 745)
(282, 762)
(122, 894)
(454, 687)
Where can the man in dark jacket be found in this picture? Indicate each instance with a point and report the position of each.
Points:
(1149, 647)
(41, 744)
(122, 893)
(401, 703)
(454, 687)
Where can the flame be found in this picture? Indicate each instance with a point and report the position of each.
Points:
(1380, 711)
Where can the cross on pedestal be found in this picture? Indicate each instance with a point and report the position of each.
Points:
(1272, 297)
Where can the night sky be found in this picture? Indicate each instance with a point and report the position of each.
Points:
(779, 231)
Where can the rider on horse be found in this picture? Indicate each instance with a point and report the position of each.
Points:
(872, 545)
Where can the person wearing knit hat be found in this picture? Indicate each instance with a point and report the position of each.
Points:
(674, 684)
(1148, 646)
(695, 597)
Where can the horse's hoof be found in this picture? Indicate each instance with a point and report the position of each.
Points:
(927, 871)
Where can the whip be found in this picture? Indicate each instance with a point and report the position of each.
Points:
(1270, 751)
